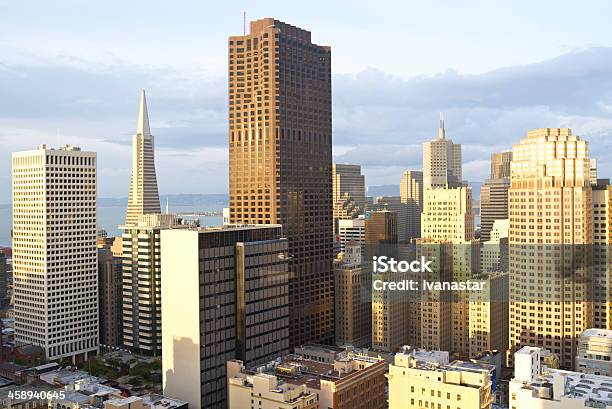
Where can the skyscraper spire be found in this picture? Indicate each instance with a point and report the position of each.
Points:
(143, 197)
(441, 130)
(143, 117)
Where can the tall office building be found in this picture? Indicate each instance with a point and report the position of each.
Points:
(602, 255)
(389, 319)
(140, 240)
(394, 204)
(493, 204)
(353, 296)
(110, 291)
(141, 269)
(448, 215)
(447, 222)
(441, 161)
(225, 297)
(55, 268)
(500, 165)
(3, 279)
(411, 195)
(143, 197)
(280, 143)
(347, 179)
(551, 231)
(352, 230)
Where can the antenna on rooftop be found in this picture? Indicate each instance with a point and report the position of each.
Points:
(244, 23)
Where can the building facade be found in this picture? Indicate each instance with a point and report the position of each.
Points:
(225, 297)
(110, 281)
(414, 383)
(602, 255)
(348, 180)
(143, 197)
(595, 352)
(411, 195)
(500, 165)
(441, 161)
(493, 204)
(550, 237)
(280, 144)
(353, 297)
(55, 271)
(141, 290)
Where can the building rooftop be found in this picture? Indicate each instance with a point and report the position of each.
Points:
(156, 401)
(595, 332)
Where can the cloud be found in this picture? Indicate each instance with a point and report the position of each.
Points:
(380, 120)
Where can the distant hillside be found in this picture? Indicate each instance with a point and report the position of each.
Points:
(383, 190)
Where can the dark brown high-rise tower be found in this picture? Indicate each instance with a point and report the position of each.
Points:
(280, 140)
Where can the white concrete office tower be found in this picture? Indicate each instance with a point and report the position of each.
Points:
(595, 352)
(225, 296)
(536, 386)
(143, 197)
(441, 161)
(411, 196)
(551, 232)
(55, 261)
(352, 230)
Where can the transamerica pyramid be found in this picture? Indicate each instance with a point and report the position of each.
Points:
(143, 197)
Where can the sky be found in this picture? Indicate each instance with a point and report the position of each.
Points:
(71, 72)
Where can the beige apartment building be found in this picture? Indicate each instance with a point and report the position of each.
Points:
(55, 269)
(448, 215)
(353, 295)
(551, 232)
(441, 161)
(416, 384)
(280, 159)
(411, 196)
(225, 296)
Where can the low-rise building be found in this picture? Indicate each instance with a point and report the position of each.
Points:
(537, 386)
(352, 380)
(595, 352)
(421, 380)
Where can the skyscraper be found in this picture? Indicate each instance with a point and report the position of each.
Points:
(353, 296)
(55, 268)
(493, 204)
(225, 297)
(281, 159)
(441, 161)
(143, 197)
(110, 291)
(347, 180)
(394, 204)
(411, 195)
(500, 165)
(141, 293)
(551, 229)
(602, 255)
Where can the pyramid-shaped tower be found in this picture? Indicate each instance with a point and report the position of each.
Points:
(143, 197)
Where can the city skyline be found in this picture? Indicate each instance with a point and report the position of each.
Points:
(187, 96)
